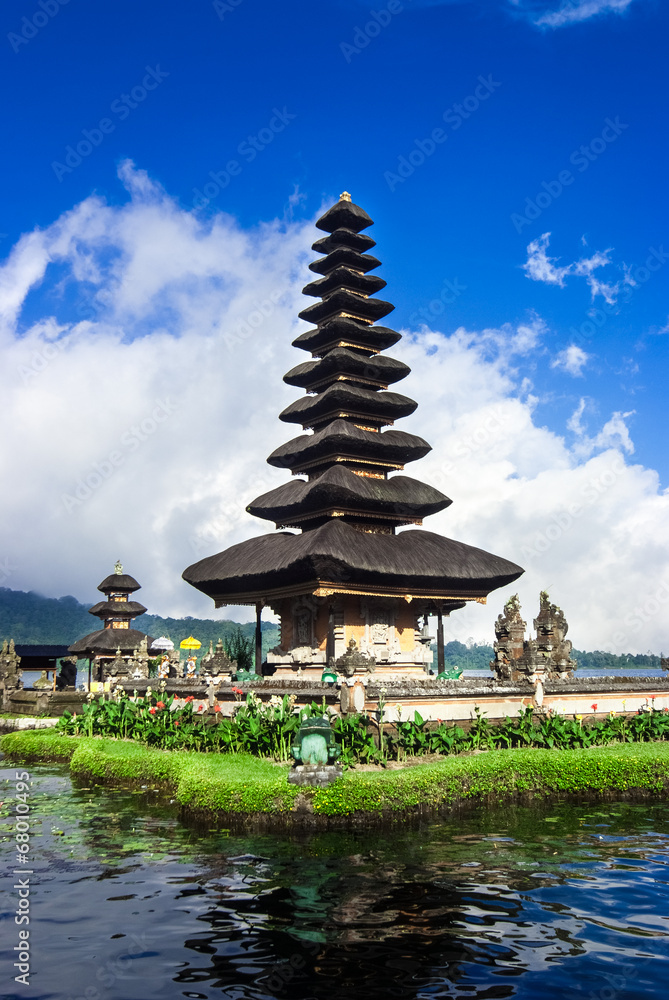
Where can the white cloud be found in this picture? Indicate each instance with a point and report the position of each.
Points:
(577, 11)
(160, 406)
(572, 360)
(613, 434)
(544, 13)
(540, 267)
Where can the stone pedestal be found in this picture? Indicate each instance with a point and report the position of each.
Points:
(315, 775)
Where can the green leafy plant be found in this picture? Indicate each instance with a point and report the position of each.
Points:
(240, 648)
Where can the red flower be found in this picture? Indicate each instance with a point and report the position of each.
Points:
(152, 711)
(200, 708)
(594, 706)
(190, 697)
(177, 723)
(160, 704)
(217, 708)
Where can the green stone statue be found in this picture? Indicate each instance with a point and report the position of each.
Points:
(314, 743)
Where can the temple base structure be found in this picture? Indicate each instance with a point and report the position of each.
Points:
(353, 635)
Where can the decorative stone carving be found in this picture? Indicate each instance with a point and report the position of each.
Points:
(551, 626)
(119, 666)
(547, 657)
(354, 661)
(10, 673)
(510, 641)
(67, 678)
(218, 662)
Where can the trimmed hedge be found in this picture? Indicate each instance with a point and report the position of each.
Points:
(234, 784)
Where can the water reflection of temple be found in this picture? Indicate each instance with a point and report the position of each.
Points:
(365, 926)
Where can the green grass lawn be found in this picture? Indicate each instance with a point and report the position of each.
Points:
(224, 784)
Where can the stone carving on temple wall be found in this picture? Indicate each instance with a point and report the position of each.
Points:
(548, 657)
(380, 639)
(138, 665)
(217, 662)
(119, 666)
(551, 626)
(354, 661)
(10, 672)
(298, 648)
(303, 626)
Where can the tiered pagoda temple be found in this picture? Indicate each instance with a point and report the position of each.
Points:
(348, 588)
(117, 612)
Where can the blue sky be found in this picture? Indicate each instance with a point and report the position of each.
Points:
(511, 152)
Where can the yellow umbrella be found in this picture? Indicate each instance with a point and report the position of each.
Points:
(190, 643)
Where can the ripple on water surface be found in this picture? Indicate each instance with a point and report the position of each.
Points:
(128, 903)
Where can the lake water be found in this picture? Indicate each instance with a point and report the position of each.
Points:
(126, 903)
(594, 672)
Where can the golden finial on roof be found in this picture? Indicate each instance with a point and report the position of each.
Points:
(344, 196)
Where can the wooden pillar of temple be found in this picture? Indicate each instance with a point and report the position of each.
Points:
(258, 657)
(440, 642)
(330, 641)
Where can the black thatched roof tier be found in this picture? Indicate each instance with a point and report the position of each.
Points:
(344, 365)
(344, 277)
(345, 257)
(108, 640)
(359, 242)
(117, 609)
(344, 215)
(119, 583)
(339, 492)
(336, 558)
(348, 402)
(343, 441)
(48, 650)
(346, 304)
(343, 331)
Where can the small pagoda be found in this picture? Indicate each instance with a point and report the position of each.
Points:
(349, 589)
(116, 642)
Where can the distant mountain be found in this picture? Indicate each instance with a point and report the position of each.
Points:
(478, 657)
(31, 618)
